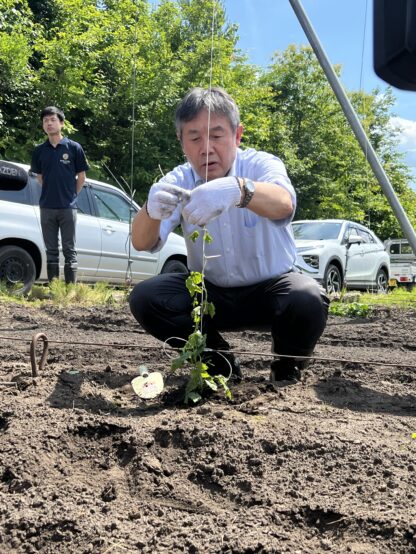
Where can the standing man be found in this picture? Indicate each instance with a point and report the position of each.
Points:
(246, 201)
(60, 165)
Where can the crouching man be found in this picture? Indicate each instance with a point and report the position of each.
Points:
(246, 201)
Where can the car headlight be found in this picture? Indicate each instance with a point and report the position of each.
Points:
(312, 260)
(309, 247)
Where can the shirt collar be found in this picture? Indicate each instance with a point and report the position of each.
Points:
(63, 141)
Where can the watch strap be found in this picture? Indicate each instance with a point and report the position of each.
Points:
(248, 193)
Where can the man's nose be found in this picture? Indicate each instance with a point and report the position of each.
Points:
(207, 146)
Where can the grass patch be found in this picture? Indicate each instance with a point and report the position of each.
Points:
(364, 302)
(398, 297)
(60, 294)
(347, 304)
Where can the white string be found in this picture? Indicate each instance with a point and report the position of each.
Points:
(364, 103)
(172, 356)
(129, 273)
(204, 230)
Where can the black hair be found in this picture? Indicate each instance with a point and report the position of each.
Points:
(52, 110)
(216, 100)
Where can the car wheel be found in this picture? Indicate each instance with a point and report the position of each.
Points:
(382, 282)
(17, 269)
(174, 266)
(332, 279)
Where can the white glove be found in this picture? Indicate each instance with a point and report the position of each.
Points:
(164, 198)
(209, 200)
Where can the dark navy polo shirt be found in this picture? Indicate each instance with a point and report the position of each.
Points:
(59, 166)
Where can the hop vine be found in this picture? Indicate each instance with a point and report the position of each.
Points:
(192, 353)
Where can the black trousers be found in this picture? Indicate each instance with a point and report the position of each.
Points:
(64, 221)
(293, 306)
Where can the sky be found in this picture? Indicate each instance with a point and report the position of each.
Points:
(345, 31)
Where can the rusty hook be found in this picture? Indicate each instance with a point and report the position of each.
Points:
(33, 345)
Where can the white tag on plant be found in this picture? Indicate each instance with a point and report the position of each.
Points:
(147, 385)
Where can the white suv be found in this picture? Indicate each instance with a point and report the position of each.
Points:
(340, 253)
(103, 242)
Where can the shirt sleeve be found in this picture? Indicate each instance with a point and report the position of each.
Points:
(81, 163)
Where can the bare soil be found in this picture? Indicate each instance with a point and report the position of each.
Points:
(327, 465)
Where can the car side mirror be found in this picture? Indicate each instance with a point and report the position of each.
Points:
(12, 177)
(354, 239)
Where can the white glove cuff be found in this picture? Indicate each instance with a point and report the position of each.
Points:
(231, 191)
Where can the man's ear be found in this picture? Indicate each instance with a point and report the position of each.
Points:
(239, 134)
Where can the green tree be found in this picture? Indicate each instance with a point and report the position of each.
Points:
(17, 90)
(328, 168)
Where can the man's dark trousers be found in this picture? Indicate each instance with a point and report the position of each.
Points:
(293, 306)
(61, 220)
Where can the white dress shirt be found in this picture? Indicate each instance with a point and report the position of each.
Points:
(246, 248)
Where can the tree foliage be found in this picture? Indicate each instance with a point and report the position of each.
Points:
(330, 171)
(119, 67)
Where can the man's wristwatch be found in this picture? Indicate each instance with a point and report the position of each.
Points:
(248, 188)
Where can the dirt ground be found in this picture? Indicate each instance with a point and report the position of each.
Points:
(327, 465)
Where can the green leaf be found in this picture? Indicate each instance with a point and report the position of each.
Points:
(207, 237)
(181, 360)
(209, 308)
(223, 382)
(211, 383)
(194, 396)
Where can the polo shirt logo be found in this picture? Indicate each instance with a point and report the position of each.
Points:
(65, 159)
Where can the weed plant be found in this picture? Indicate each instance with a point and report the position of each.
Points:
(352, 309)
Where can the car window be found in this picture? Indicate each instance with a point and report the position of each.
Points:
(351, 232)
(395, 248)
(316, 230)
(406, 248)
(365, 236)
(20, 196)
(83, 203)
(111, 205)
(36, 189)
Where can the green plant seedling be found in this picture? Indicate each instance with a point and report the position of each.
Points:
(192, 352)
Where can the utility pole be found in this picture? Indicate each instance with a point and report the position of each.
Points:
(355, 123)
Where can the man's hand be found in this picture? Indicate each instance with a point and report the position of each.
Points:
(164, 198)
(210, 200)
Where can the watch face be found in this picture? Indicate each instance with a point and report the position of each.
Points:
(249, 185)
(249, 189)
